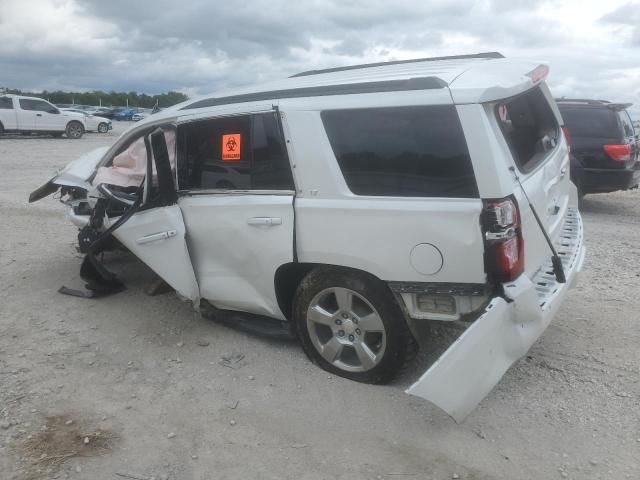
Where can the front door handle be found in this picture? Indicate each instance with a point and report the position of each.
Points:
(156, 236)
(265, 221)
(38, 114)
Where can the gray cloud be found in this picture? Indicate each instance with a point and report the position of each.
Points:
(626, 15)
(201, 46)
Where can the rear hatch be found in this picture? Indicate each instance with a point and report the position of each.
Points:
(530, 125)
(591, 127)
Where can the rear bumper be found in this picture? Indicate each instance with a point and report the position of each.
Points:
(509, 326)
(603, 180)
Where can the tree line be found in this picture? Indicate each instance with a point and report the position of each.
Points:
(106, 99)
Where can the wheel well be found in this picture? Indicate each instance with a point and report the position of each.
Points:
(288, 277)
(75, 121)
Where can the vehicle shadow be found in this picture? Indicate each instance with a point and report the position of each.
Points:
(605, 204)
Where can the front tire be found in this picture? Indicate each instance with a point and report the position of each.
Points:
(103, 128)
(350, 324)
(74, 130)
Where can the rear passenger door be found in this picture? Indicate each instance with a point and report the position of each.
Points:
(26, 114)
(236, 194)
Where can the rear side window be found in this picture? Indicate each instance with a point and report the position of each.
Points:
(626, 123)
(402, 151)
(233, 153)
(590, 121)
(530, 128)
(6, 103)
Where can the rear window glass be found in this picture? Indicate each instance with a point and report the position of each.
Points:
(6, 103)
(529, 127)
(590, 121)
(402, 151)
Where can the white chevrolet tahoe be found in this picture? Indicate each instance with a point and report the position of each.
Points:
(28, 115)
(355, 203)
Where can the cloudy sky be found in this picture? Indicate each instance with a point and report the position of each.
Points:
(199, 46)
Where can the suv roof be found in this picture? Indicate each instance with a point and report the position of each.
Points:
(472, 78)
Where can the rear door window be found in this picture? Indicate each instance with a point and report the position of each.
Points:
(402, 151)
(586, 121)
(6, 103)
(530, 128)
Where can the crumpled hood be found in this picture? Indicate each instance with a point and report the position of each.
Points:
(75, 174)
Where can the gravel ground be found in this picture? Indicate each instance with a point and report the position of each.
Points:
(174, 396)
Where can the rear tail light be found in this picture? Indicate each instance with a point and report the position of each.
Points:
(567, 136)
(504, 255)
(619, 152)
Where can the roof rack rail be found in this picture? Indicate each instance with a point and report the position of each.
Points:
(486, 55)
(419, 83)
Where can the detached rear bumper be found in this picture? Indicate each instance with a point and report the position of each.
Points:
(459, 380)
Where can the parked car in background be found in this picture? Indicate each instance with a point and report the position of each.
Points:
(604, 145)
(28, 115)
(136, 117)
(374, 200)
(125, 114)
(93, 123)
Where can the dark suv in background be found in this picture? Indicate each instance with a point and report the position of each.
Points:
(604, 145)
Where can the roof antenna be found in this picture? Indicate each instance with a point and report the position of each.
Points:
(558, 269)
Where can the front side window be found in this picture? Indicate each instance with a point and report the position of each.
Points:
(402, 151)
(36, 105)
(6, 103)
(233, 153)
(530, 128)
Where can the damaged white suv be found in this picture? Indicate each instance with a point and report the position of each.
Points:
(354, 203)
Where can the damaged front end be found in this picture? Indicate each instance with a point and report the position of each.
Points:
(128, 201)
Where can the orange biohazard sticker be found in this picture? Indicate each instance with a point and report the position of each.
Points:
(231, 146)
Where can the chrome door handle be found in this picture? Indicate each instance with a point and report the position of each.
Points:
(563, 172)
(156, 236)
(265, 221)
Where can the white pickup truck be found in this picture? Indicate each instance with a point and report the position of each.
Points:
(29, 114)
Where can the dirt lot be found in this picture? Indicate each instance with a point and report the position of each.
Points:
(133, 386)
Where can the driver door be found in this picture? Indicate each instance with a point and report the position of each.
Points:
(156, 233)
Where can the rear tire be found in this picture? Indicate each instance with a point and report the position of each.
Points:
(350, 324)
(74, 130)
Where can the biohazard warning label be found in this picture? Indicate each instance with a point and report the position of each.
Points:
(231, 146)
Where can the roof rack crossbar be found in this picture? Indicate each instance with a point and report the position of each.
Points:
(487, 55)
(418, 83)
